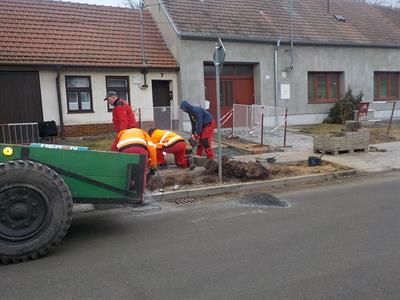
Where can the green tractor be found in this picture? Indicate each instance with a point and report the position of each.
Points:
(40, 183)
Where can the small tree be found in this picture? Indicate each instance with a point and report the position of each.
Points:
(134, 4)
(343, 109)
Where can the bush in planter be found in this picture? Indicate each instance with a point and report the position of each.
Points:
(344, 108)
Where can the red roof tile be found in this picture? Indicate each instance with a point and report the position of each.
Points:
(49, 32)
(270, 19)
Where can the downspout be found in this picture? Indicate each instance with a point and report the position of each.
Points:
(278, 43)
(60, 113)
(291, 34)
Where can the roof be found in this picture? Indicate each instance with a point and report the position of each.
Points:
(270, 20)
(46, 32)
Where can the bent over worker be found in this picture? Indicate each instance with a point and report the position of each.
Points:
(137, 141)
(203, 125)
(170, 142)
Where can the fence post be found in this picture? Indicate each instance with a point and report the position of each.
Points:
(284, 134)
(247, 120)
(391, 118)
(262, 126)
(170, 118)
(140, 118)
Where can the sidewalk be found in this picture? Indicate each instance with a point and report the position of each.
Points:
(371, 161)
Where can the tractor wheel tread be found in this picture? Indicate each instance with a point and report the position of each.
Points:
(32, 254)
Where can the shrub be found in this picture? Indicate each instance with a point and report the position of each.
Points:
(343, 109)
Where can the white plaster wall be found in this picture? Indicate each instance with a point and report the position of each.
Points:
(140, 98)
(48, 91)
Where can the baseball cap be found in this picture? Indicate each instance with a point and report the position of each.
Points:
(110, 93)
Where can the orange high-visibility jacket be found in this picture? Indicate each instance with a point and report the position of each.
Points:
(136, 136)
(164, 138)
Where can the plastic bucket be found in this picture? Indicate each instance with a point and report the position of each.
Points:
(314, 161)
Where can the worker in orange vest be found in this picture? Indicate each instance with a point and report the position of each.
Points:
(170, 142)
(137, 141)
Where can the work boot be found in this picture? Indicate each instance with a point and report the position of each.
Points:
(162, 166)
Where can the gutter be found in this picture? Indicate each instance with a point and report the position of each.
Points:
(161, 3)
(253, 39)
(278, 42)
(94, 67)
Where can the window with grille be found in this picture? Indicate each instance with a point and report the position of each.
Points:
(323, 87)
(119, 84)
(79, 94)
(387, 85)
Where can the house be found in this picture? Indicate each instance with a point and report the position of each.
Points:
(58, 60)
(305, 65)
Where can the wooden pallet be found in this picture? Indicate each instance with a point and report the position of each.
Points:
(331, 152)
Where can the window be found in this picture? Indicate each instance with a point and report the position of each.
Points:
(79, 94)
(119, 84)
(387, 85)
(226, 93)
(229, 70)
(323, 87)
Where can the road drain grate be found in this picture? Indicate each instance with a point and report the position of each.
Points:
(263, 199)
(186, 201)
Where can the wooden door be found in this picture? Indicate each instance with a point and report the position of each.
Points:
(235, 89)
(20, 98)
(161, 104)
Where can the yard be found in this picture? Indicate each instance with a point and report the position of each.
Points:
(378, 131)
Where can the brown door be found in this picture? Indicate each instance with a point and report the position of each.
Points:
(161, 100)
(20, 99)
(237, 87)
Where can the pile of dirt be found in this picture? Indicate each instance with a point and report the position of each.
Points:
(237, 169)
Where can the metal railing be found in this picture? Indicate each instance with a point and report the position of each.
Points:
(162, 117)
(260, 123)
(19, 133)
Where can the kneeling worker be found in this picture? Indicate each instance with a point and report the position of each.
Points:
(170, 142)
(137, 141)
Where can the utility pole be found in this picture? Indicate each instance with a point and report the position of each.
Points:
(219, 58)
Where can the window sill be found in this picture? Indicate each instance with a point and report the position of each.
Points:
(322, 101)
(81, 112)
(387, 99)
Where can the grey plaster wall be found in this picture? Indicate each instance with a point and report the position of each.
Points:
(193, 54)
(167, 31)
(357, 64)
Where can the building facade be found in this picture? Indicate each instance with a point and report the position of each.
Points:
(58, 60)
(332, 51)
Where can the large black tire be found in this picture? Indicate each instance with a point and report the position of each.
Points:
(35, 210)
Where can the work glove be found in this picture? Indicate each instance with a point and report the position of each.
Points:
(152, 171)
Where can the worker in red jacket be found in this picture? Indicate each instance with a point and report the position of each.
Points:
(122, 115)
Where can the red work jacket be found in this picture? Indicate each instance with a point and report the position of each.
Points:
(123, 116)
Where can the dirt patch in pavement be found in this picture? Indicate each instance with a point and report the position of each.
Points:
(302, 168)
(377, 131)
(234, 172)
(247, 146)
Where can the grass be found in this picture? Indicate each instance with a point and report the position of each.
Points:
(101, 143)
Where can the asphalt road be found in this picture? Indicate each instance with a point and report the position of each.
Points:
(336, 242)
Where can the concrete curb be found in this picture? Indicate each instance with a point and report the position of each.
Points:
(250, 186)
